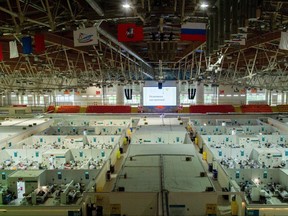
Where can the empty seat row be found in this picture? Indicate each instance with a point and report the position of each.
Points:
(256, 108)
(108, 109)
(282, 108)
(211, 109)
(68, 109)
(51, 109)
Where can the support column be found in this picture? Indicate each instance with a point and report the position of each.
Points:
(30, 100)
(53, 98)
(141, 85)
(1, 100)
(120, 95)
(21, 99)
(270, 98)
(200, 93)
(45, 99)
(37, 101)
(178, 91)
(103, 95)
(8, 98)
(34, 99)
(282, 98)
(267, 96)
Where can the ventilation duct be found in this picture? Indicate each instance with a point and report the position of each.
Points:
(211, 33)
(227, 17)
(234, 16)
(242, 13)
(252, 8)
(221, 22)
(216, 29)
(208, 43)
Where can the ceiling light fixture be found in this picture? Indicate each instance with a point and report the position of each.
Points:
(126, 5)
(204, 5)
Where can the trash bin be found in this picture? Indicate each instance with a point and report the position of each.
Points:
(112, 168)
(204, 155)
(210, 167)
(108, 175)
(121, 150)
(201, 150)
(215, 174)
(225, 197)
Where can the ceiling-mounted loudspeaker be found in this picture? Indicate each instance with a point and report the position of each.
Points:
(159, 85)
(191, 93)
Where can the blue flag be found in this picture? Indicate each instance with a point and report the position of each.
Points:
(27, 45)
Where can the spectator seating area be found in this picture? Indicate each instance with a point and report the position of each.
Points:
(51, 109)
(108, 109)
(19, 105)
(282, 108)
(256, 108)
(211, 109)
(68, 109)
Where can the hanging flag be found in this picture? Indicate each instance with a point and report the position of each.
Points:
(13, 49)
(130, 32)
(66, 92)
(39, 41)
(191, 93)
(1, 52)
(128, 94)
(85, 37)
(193, 31)
(238, 39)
(140, 109)
(284, 41)
(26, 45)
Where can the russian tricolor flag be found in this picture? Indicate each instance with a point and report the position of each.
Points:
(193, 31)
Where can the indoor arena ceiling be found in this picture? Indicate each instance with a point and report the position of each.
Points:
(258, 64)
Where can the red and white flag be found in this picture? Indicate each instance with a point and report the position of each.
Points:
(13, 49)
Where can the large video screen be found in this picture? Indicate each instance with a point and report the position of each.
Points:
(153, 96)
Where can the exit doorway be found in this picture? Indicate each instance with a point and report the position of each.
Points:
(20, 189)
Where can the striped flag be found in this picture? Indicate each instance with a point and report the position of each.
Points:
(243, 91)
(221, 91)
(27, 45)
(85, 37)
(193, 31)
(1, 52)
(284, 41)
(13, 49)
(39, 41)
